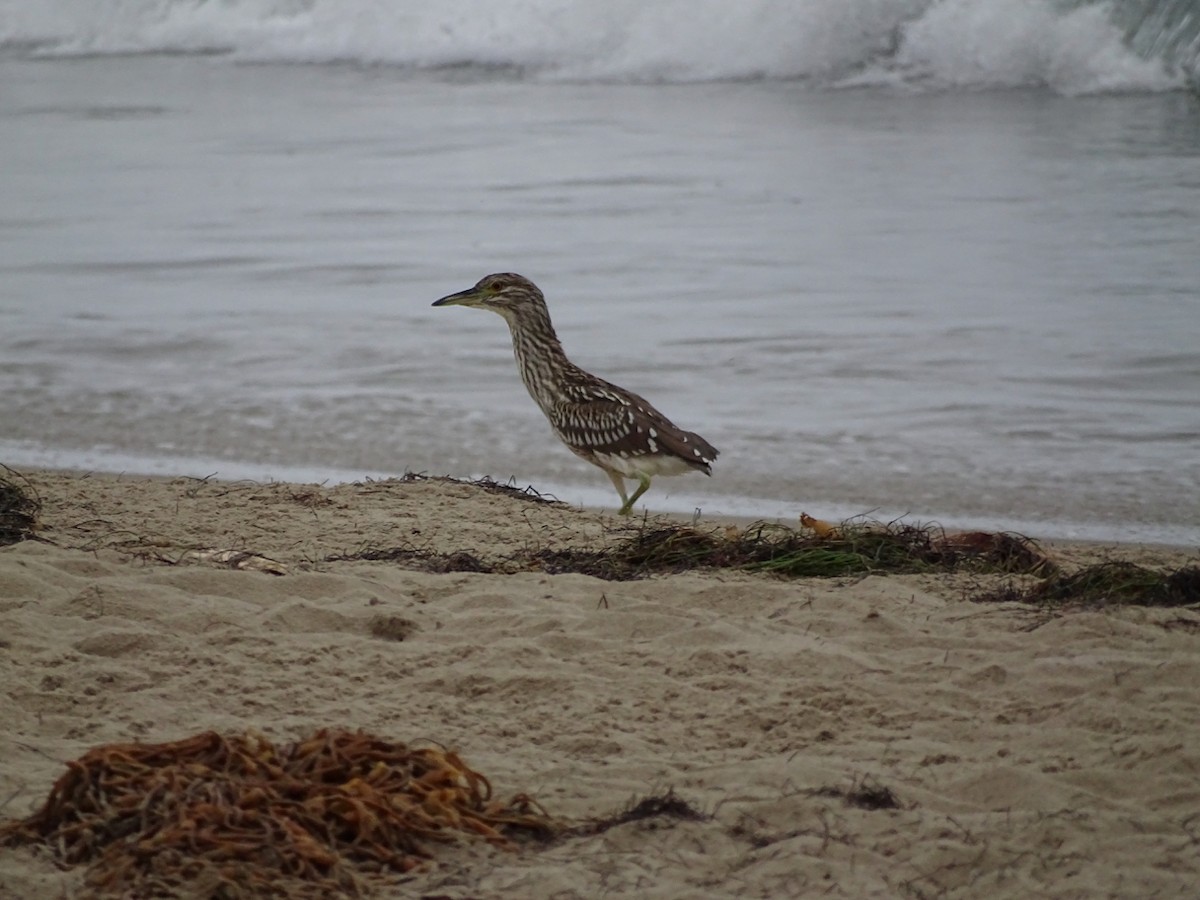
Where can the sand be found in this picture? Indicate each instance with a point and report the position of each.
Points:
(1030, 755)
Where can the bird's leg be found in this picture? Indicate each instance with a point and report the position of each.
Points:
(619, 484)
(644, 482)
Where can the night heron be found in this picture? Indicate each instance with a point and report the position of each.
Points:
(608, 426)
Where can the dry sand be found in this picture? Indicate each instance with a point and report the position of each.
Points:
(1031, 755)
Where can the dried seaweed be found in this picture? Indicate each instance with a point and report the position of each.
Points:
(20, 507)
(872, 795)
(856, 547)
(861, 545)
(866, 794)
(663, 550)
(1004, 551)
(510, 489)
(668, 805)
(245, 818)
(853, 548)
(506, 488)
(1113, 583)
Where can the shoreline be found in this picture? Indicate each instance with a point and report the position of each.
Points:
(674, 515)
(1027, 753)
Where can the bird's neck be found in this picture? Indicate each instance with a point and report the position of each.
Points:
(540, 357)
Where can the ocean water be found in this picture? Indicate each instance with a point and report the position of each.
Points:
(928, 258)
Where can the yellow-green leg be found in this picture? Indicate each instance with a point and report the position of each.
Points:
(619, 484)
(627, 507)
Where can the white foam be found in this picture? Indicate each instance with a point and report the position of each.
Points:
(907, 43)
(1018, 43)
(26, 454)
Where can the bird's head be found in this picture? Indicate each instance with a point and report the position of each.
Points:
(504, 293)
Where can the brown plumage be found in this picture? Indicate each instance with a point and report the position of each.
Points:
(608, 426)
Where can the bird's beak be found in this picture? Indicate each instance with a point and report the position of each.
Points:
(469, 297)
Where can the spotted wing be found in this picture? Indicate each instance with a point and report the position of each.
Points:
(598, 418)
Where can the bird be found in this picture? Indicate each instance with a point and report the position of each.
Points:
(610, 427)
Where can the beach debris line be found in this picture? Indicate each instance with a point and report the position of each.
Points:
(509, 489)
(20, 507)
(1112, 583)
(485, 483)
(240, 816)
(654, 548)
(857, 546)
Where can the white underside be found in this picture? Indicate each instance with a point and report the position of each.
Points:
(649, 466)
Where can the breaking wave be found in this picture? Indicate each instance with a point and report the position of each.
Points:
(1080, 47)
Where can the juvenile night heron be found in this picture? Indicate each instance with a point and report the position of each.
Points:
(608, 426)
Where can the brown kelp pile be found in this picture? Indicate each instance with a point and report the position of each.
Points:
(238, 816)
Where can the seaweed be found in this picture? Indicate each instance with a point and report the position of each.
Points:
(490, 485)
(20, 507)
(866, 793)
(667, 805)
(854, 548)
(1112, 583)
(234, 816)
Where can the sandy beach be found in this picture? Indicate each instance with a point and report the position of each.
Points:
(1029, 754)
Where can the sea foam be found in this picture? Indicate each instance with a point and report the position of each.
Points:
(1071, 47)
